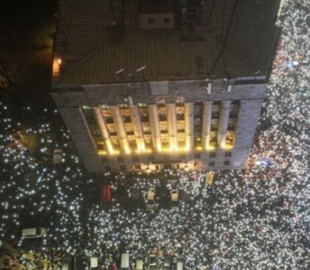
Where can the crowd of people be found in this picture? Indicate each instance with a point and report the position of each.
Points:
(253, 219)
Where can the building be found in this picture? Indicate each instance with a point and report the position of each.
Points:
(144, 85)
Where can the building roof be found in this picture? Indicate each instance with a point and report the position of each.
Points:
(94, 50)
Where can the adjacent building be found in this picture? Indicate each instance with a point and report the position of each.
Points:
(145, 85)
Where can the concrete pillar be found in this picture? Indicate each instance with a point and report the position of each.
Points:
(189, 126)
(137, 127)
(172, 126)
(120, 128)
(206, 124)
(81, 135)
(224, 117)
(104, 130)
(153, 116)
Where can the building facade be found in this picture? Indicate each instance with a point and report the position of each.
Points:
(144, 99)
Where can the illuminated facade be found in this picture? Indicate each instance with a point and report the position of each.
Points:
(143, 101)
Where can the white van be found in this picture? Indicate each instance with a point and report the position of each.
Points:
(125, 261)
(94, 262)
(33, 232)
(151, 194)
(139, 262)
(179, 264)
(174, 198)
(57, 156)
(151, 199)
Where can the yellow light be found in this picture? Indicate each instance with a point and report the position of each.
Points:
(56, 66)
(227, 146)
(149, 150)
(102, 152)
(115, 152)
(210, 147)
(199, 148)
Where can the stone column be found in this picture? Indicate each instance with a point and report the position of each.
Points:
(172, 126)
(153, 115)
(120, 128)
(137, 127)
(104, 130)
(224, 117)
(206, 124)
(189, 126)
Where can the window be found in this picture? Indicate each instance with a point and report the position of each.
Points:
(231, 127)
(145, 118)
(215, 115)
(227, 154)
(197, 155)
(226, 163)
(126, 118)
(211, 163)
(233, 114)
(167, 20)
(109, 120)
(214, 128)
(162, 117)
(212, 155)
(150, 21)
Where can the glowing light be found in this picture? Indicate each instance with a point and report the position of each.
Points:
(57, 62)
(102, 152)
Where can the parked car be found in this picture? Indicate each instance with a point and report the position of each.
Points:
(139, 262)
(57, 156)
(151, 194)
(174, 198)
(33, 233)
(125, 261)
(151, 199)
(180, 263)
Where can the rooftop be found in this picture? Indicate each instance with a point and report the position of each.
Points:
(99, 42)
